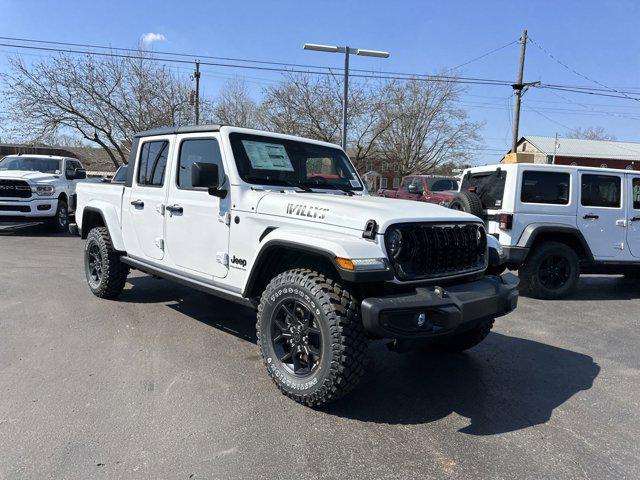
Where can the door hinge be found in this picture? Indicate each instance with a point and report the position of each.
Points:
(160, 243)
(160, 208)
(222, 258)
(619, 246)
(226, 218)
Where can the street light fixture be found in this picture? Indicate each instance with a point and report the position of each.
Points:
(347, 51)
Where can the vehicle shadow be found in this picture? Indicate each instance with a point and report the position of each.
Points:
(38, 230)
(216, 312)
(606, 287)
(505, 384)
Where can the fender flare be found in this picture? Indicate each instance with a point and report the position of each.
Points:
(329, 254)
(110, 219)
(533, 230)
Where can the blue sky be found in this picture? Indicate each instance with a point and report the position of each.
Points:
(596, 38)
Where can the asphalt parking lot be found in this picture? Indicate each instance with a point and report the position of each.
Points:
(168, 383)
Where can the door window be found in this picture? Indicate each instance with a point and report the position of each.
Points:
(545, 187)
(70, 168)
(600, 191)
(417, 187)
(636, 193)
(152, 163)
(405, 184)
(200, 150)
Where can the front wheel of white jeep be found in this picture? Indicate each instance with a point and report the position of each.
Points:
(310, 336)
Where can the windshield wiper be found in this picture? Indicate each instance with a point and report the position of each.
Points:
(278, 181)
(321, 182)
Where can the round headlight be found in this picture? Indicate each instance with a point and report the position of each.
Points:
(394, 243)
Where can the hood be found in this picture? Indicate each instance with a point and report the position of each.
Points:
(28, 175)
(354, 212)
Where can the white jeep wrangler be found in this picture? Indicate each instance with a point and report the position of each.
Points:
(555, 222)
(283, 224)
(34, 188)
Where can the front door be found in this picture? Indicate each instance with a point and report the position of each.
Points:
(601, 215)
(633, 230)
(147, 198)
(196, 223)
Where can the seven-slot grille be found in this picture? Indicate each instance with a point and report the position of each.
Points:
(14, 189)
(427, 250)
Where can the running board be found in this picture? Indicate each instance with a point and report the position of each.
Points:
(189, 282)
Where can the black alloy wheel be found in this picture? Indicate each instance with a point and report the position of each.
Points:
(296, 337)
(94, 265)
(554, 272)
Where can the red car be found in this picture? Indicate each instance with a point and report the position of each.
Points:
(424, 188)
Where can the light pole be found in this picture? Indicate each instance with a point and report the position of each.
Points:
(347, 51)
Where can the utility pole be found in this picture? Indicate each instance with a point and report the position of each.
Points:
(196, 76)
(518, 87)
(555, 148)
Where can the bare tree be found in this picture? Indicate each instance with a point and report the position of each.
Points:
(234, 105)
(424, 127)
(312, 107)
(104, 100)
(590, 133)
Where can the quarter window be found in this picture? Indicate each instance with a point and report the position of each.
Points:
(545, 187)
(201, 150)
(600, 191)
(153, 162)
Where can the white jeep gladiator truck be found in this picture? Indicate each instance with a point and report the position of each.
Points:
(36, 188)
(284, 224)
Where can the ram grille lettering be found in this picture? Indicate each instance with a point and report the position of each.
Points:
(309, 211)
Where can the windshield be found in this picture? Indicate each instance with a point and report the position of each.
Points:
(32, 164)
(274, 161)
(441, 184)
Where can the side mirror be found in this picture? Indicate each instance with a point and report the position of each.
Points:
(206, 175)
(79, 174)
(412, 188)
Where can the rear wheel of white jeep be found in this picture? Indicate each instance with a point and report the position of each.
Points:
(310, 336)
(106, 274)
(550, 271)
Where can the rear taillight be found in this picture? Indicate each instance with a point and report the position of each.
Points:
(505, 221)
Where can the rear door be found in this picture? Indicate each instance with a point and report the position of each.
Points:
(197, 230)
(601, 215)
(633, 209)
(145, 205)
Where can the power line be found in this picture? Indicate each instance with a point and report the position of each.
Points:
(418, 77)
(484, 55)
(573, 70)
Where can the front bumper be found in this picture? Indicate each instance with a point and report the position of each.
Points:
(29, 210)
(436, 311)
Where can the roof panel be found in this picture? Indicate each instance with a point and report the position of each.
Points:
(574, 147)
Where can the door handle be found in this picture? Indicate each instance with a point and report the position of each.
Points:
(174, 209)
(138, 203)
(634, 219)
(591, 216)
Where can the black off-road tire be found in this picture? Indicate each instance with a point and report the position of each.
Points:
(531, 280)
(112, 272)
(60, 223)
(460, 342)
(337, 316)
(466, 201)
